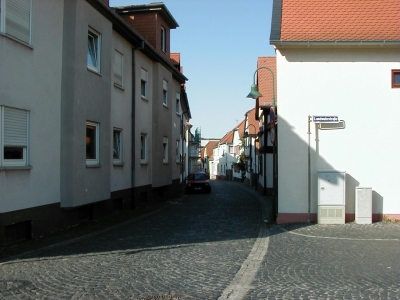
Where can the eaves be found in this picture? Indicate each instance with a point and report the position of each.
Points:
(138, 42)
(337, 43)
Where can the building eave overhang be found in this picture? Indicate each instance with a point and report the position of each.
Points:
(336, 43)
(137, 41)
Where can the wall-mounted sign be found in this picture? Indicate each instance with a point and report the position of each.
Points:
(325, 119)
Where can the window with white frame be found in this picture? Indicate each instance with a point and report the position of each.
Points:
(15, 19)
(163, 40)
(143, 83)
(118, 69)
(93, 50)
(178, 103)
(165, 150)
(117, 145)
(14, 137)
(143, 148)
(165, 93)
(92, 143)
(178, 151)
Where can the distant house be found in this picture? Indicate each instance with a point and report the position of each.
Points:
(207, 155)
(337, 59)
(226, 155)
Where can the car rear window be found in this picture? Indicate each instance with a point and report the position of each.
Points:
(197, 177)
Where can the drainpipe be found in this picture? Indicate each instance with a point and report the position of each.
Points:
(265, 152)
(133, 131)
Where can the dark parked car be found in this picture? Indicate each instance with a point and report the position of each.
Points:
(198, 182)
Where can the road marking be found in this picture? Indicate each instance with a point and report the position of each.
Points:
(335, 238)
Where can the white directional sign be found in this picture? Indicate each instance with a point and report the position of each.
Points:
(325, 119)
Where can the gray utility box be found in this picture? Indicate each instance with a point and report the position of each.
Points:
(363, 205)
(331, 197)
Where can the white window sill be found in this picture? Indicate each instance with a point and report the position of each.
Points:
(144, 163)
(94, 71)
(119, 87)
(118, 164)
(144, 98)
(10, 168)
(16, 40)
(93, 166)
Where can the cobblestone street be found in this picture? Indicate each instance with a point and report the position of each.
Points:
(212, 246)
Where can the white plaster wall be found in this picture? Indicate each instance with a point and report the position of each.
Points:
(31, 80)
(354, 85)
(121, 116)
(143, 120)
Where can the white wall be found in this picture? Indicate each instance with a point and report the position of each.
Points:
(354, 85)
(32, 82)
(121, 116)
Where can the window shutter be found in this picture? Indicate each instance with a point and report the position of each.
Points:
(18, 19)
(143, 75)
(15, 127)
(118, 68)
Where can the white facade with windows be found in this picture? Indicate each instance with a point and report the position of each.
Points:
(355, 85)
(77, 125)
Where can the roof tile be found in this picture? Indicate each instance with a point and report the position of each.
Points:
(340, 20)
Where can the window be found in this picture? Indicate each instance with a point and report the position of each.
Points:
(13, 137)
(143, 148)
(92, 143)
(15, 19)
(177, 151)
(143, 83)
(117, 145)
(178, 103)
(118, 69)
(163, 42)
(395, 78)
(165, 150)
(93, 51)
(165, 93)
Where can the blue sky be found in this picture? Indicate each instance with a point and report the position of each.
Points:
(219, 42)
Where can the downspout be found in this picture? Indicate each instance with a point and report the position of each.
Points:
(265, 152)
(133, 131)
(133, 152)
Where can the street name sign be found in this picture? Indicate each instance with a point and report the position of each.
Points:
(325, 119)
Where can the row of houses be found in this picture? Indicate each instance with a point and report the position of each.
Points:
(94, 114)
(333, 89)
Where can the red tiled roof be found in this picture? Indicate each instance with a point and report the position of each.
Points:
(264, 79)
(228, 137)
(208, 148)
(252, 123)
(340, 20)
(175, 58)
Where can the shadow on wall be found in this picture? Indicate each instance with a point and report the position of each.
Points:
(296, 173)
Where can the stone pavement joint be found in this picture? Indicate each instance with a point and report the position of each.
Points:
(241, 283)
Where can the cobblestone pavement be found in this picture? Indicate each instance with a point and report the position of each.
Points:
(349, 261)
(210, 246)
(191, 249)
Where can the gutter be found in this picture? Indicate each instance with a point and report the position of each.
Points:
(336, 43)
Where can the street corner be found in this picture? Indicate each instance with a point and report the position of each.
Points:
(352, 231)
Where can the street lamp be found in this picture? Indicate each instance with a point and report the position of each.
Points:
(254, 94)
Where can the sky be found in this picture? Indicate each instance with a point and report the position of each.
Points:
(219, 42)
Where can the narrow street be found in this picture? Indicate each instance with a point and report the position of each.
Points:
(213, 246)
